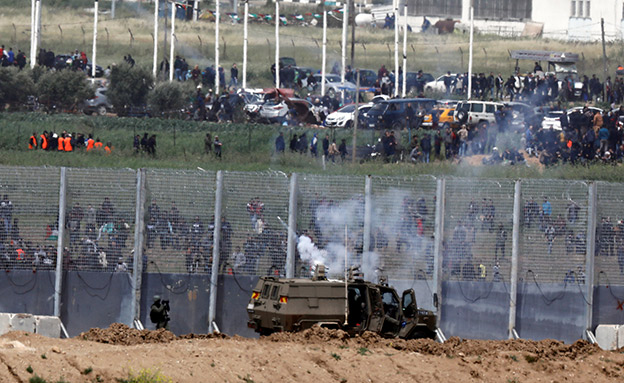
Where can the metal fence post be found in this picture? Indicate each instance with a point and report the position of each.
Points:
(437, 250)
(368, 213)
(590, 255)
(139, 227)
(515, 248)
(58, 282)
(214, 276)
(292, 227)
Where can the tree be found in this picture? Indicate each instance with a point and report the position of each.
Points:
(129, 86)
(168, 97)
(15, 87)
(64, 90)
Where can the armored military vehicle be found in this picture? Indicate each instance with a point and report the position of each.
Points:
(285, 304)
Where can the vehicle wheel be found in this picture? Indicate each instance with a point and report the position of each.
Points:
(349, 125)
(331, 92)
(397, 126)
(265, 332)
(101, 110)
(429, 89)
(423, 334)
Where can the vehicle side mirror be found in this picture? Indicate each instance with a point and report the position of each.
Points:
(435, 300)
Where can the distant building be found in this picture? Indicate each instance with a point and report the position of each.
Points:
(561, 19)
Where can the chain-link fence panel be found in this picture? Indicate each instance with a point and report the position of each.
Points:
(254, 224)
(609, 250)
(477, 229)
(403, 224)
(329, 206)
(99, 219)
(179, 221)
(29, 199)
(553, 231)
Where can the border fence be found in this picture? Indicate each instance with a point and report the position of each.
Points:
(504, 258)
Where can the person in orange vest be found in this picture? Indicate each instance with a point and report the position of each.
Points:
(32, 141)
(61, 142)
(108, 148)
(44, 140)
(68, 143)
(98, 144)
(90, 142)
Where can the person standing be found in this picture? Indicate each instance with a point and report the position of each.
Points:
(234, 75)
(208, 143)
(326, 146)
(217, 147)
(280, 145)
(343, 149)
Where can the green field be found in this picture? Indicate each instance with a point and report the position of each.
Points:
(248, 147)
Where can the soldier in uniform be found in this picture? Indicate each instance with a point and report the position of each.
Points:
(159, 313)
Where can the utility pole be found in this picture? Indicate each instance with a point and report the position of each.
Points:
(604, 58)
(165, 39)
(352, 21)
(356, 116)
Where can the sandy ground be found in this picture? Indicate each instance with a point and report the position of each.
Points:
(316, 355)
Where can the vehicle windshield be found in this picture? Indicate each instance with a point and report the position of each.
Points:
(347, 109)
(378, 108)
(554, 114)
(463, 106)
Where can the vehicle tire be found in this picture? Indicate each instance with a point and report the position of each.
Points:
(349, 125)
(428, 89)
(462, 117)
(101, 110)
(423, 334)
(331, 92)
(397, 126)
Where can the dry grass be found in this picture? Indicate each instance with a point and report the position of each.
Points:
(434, 54)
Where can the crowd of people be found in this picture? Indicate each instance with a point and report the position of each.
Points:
(67, 142)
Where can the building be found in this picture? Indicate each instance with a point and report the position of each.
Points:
(561, 19)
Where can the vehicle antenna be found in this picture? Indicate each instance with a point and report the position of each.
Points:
(346, 322)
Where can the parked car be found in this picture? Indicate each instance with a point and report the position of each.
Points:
(98, 104)
(344, 117)
(368, 78)
(473, 113)
(286, 61)
(65, 61)
(552, 119)
(412, 80)
(437, 85)
(390, 114)
(333, 84)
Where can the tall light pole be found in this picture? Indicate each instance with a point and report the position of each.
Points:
(345, 26)
(155, 64)
(396, 48)
(324, 58)
(404, 84)
(32, 33)
(95, 25)
(172, 43)
(36, 35)
(277, 45)
(217, 21)
(470, 49)
(245, 41)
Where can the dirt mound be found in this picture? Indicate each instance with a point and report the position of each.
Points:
(545, 349)
(118, 333)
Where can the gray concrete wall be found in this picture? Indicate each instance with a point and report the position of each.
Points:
(23, 291)
(95, 299)
(557, 311)
(477, 310)
(608, 305)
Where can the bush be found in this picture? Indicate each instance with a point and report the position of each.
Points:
(168, 97)
(15, 87)
(64, 90)
(129, 86)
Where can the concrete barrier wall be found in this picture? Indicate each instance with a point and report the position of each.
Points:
(49, 326)
(608, 305)
(550, 311)
(478, 310)
(95, 299)
(23, 291)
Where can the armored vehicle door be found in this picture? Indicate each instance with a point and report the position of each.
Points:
(376, 313)
(408, 303)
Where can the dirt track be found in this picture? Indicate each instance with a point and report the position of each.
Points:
(315, 355)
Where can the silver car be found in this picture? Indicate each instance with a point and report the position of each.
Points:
(98, 104)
